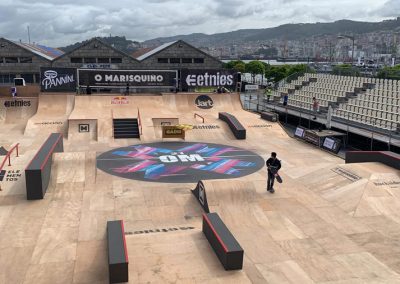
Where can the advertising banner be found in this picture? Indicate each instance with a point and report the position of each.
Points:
(58, 79)
(172, 132)
(192, 78)
(123, 78)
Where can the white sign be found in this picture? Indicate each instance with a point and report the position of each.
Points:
(208, 80)
(329, 143)
(99, 66)
(251, 87)
(51, 79)
(299, 132)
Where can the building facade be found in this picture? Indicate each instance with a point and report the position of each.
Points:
(21, 61)
(24, 60)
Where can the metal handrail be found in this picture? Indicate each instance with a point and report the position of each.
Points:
(112, 124)
(195, 114)
(140, 122)
(8, 156)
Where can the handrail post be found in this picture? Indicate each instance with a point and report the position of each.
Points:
(9, 160)
(17, 151)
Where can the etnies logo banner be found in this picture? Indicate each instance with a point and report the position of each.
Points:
(209, 78)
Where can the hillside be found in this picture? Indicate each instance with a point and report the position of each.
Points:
(286, 32)
(119, 42)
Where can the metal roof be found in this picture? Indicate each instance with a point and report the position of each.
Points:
(155, 50)
(46, 52)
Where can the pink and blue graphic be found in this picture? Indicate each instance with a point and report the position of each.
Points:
(179, 162)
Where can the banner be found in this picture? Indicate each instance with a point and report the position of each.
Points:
(172, 132)
(125, 78)
(200, 193)
(209, 78)
(58, 79)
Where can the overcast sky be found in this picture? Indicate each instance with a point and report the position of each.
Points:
(62, 22)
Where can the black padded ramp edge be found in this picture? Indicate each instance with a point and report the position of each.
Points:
(236, 127)
(224, 244)
(385, 157)
(117, 252)
(37, 173)
(270, 116)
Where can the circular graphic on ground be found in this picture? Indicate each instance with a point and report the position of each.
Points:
(179, 162)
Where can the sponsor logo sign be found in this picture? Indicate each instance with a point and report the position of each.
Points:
(251, 87)
(204, 102)
(99, 66)
(172, 132)
(17, 103)
(120, 101)
(84, 128)
(208, 78)
(121, 78)
(57, 79)
(179, 162)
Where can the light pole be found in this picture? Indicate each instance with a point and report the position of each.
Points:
(352, 52)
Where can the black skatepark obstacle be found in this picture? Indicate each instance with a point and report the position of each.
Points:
(385, 157)
(38, 172)
(117, 252)
(225, 246)
(236, 127)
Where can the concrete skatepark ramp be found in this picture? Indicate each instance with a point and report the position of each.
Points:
(52, 115)
(329, 222)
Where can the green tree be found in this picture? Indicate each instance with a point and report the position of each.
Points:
(390, 73)
(255, 67)
(232, 64)
(240, 67)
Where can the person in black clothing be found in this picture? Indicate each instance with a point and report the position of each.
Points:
(273, 165)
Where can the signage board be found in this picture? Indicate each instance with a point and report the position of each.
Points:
(58, 79)
(204, 102)
(192, 78)
(99, 66)
(299, 132)
(331, 144)
(122, 78)
(251, 87)
(172, 132)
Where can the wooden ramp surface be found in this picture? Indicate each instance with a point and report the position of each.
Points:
(327, 223)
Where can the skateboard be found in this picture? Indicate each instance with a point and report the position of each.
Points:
(278, 178)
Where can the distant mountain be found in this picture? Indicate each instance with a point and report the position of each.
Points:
(287, 32)
(119, 42)
(283, 32)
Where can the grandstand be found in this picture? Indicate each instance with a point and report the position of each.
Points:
(369, 101)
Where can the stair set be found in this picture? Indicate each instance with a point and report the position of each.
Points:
(126, 128)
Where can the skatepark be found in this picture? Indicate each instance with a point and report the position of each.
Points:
(328, 222)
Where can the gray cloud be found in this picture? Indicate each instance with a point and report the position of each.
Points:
(60, 22)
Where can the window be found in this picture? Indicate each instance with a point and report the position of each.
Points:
(162, 60)
(116, 60)
(103, 60)
(25, 59)
(199, 60)
(175, 60)
(187, 60)
(89, 60)
(1, 60)
(7, 78)
(76, 60)
(28, 78)
(11, 59)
